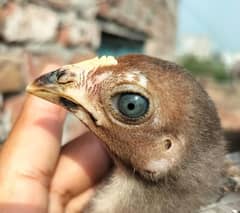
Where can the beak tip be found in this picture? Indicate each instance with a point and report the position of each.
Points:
(30, 87)
(37, 83)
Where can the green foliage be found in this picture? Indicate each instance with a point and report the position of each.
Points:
(211, 67)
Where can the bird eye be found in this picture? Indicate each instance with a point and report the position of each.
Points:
(132, 105)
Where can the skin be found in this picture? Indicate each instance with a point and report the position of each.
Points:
(37, 174)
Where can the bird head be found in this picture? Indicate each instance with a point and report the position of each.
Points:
(147, 112)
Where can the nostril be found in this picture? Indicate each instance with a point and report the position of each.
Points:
(167, 144)
(60, 74)
(64, 77)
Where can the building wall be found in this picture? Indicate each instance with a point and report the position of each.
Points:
(34, 33)
(155, 18)
(72, 26)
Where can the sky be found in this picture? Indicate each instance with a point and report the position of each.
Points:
(219, 20)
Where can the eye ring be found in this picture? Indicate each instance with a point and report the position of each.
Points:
(110, 109)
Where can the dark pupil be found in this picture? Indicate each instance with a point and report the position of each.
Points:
(132, 105)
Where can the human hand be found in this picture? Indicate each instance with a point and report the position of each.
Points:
(37, 175)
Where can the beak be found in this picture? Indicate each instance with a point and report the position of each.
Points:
(70, 86)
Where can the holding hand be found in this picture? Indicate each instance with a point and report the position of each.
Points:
(36, 174)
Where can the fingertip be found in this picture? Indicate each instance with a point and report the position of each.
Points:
(36, 106)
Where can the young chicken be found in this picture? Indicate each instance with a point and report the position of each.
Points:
(158, 124)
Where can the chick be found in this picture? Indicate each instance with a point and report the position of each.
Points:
(157, 123)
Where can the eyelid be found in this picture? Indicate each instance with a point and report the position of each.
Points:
(115, 100)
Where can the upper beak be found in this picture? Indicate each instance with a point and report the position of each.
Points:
(50, 86)
(68, 86)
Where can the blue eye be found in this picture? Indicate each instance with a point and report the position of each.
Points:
(132, 105)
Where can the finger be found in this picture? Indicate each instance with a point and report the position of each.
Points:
(78, 203)
(82, 163)
(70, 130)
(29, 156)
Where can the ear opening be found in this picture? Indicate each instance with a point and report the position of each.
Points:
(167, 143)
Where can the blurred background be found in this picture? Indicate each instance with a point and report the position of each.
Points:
(201, 35)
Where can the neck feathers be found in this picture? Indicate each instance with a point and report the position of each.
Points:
(124, 193)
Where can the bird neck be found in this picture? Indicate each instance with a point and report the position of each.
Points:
(124, 192)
